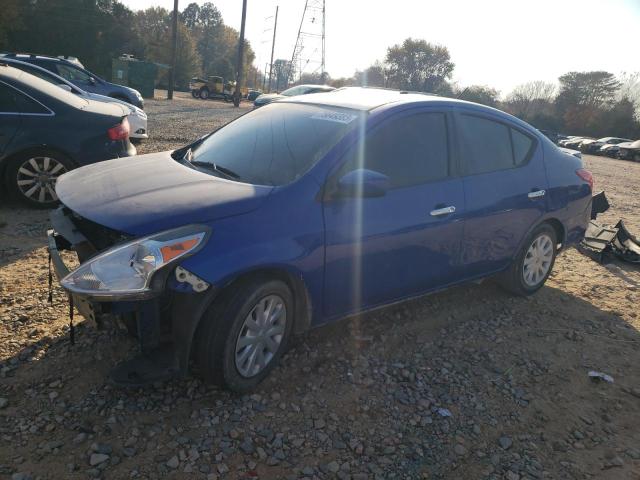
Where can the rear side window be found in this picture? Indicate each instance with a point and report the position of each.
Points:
(410, 150)
(488, 146)
(522, 145)
(13, 101)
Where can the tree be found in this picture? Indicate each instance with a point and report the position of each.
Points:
(630, 89)
(589, 89)
(9, 19)
(531, 99)
(280, 78)
(374, 76)
(479, 94)
(418, 65)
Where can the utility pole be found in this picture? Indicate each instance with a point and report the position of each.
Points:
(239, 68)
(264, 77)
(174, 51)
(273, 44)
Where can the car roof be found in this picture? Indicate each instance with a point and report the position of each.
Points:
(367, 99)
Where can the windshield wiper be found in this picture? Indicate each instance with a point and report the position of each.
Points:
(230, 174)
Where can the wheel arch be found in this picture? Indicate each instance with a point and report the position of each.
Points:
(293, 280)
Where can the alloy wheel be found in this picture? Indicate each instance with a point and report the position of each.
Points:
(37, 178)
(537, 260)
(260, 336)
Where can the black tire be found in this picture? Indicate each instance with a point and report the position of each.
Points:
(513, 279)
(204, 93)
(195, 93)
(217, 335)
(20, 169)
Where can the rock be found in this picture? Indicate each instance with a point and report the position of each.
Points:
(20, 476)
(173, 462)
(3, 402)
(505, 442)
(459, 449)
(511, 475)
(98, 458)
(333, 467)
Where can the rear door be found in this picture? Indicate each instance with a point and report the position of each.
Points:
(380, 249)
(9, 116)
(504, 185)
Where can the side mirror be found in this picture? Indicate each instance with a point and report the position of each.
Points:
(362, 183)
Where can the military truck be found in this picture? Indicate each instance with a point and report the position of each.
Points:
(213, 87)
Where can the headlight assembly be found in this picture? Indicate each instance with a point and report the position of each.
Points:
(126, 271)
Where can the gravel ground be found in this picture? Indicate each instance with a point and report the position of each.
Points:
(469, 383)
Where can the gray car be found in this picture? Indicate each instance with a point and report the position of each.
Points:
(266, 98)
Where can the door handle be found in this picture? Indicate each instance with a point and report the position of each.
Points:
(536, 194)
(442, 211)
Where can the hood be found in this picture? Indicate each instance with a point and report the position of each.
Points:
(268, 98)
(150, 193)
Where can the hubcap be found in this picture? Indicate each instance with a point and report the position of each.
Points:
(261, 335)
(37, 178)
(537, 261)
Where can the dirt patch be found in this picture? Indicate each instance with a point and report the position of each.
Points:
(468, 383)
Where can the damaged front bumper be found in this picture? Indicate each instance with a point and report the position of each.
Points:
(164, 323)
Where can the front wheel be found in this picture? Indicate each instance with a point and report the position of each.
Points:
(204, 93)
(242, 337)
(531, 268)
(195, 93)
(31, 177)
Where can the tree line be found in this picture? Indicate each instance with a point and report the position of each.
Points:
(96, 31)
(595, 103)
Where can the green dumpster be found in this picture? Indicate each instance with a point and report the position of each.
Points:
(135, 74)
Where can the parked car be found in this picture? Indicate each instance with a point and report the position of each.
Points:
(253, 94)
(137, 118)
(610, 150)
(266, 98)
(629, 151)
(46, 131)
(306, 211)
(575, 142)
(593, 146)
(72, 71)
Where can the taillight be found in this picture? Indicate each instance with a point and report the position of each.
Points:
(120, 131)
(586, 175)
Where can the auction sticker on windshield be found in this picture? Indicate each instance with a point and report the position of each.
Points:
(339, 117)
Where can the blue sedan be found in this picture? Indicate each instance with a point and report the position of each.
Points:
(306, 211)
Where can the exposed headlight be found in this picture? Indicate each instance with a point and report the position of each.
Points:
(126, 270)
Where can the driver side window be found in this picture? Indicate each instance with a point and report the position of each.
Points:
(72, 74)
(410, 150)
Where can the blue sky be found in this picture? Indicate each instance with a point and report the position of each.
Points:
(500, 43)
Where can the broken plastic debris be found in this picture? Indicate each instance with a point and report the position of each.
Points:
(593, 375)
(443, 412)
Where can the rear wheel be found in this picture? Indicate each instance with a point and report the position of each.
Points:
(204, 93)
(242, 336)
(31, 177)
(531, 268)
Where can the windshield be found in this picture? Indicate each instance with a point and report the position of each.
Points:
(293, 91)
(276, 144)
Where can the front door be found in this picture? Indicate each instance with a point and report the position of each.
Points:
(505, 190)
(380, 249)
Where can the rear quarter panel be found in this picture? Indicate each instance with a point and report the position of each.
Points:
(569, 197)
